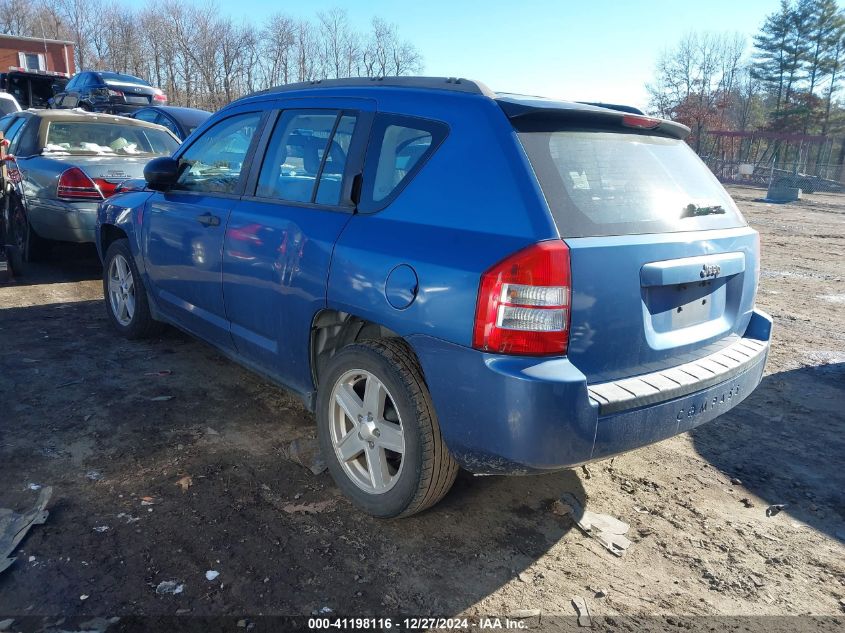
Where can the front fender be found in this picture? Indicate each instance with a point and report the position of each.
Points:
(124, 211)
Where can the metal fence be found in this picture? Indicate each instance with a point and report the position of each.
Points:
(825, 177)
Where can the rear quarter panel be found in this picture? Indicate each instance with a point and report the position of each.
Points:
(469, 207)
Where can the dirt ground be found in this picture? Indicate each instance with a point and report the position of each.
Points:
(109, 423)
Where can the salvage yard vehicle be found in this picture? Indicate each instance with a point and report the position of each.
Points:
(103, 91)
(32, 88)
(448, 276)
(8, 104)
(180, 121)
(70, 161)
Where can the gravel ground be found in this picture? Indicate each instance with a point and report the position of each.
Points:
(168, 461)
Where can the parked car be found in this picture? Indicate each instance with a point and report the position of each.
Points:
(102, 91)
(181, 121)
(448, 276)
(8, 104)
(32, 88)
(69, 161)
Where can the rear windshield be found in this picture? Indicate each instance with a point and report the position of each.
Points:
(610, 183)
(84, 137)
(118, 78)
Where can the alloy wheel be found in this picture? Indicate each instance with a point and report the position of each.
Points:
(366, 431)
(121, 290)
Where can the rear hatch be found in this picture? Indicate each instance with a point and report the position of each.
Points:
(664, 268)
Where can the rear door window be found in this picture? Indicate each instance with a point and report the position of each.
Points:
(26, 140)
(12, 133)
(166, 122)
(5, 122)
(306, 157)
(610, 183)
(150, 116)
(399, 146)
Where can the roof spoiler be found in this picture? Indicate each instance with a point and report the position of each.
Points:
(538, 115)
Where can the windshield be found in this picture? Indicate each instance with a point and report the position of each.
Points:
(88, 137)
(611, 183)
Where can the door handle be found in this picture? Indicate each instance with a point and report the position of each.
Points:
(206, 219)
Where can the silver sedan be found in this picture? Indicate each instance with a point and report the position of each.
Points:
(66, 163)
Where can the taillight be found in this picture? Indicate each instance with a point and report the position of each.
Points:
(160, 97)
(74, 184)
(115, 93)
(640, 122)
(523, 303)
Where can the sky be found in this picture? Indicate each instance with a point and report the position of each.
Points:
(585, 50)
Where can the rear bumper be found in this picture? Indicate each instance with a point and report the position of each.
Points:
(501, 414)
(64, 221)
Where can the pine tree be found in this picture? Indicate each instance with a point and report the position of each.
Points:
(833, 64)
(770, 64)
(825, 20)
(797, 47)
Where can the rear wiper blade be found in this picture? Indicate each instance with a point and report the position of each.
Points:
(694, 211)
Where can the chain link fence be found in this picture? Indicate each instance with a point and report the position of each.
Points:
(825, 177)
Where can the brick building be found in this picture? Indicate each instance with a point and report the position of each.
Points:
(34, 53)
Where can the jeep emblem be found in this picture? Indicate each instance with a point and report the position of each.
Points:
(710, 270)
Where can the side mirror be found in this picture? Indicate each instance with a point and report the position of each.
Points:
(161, 173)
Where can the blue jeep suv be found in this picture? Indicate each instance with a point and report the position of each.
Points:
(449, 277)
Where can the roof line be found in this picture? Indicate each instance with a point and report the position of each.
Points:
(453, 84)
(35, 39)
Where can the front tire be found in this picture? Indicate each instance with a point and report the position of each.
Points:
(379, 432)
(125, 294)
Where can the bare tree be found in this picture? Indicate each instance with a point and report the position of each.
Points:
(16, 17)
(385, 54)
(203, 58)
(80, 18)
(278, 38)
(695, 81)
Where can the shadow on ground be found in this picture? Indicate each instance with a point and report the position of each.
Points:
(62, 263)
(109, 422)
(786, 442)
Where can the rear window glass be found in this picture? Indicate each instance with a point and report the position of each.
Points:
(403, 145)
(307, 144)
(118, 78)
(608, 183)
(82, 137)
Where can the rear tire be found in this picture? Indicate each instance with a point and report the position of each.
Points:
(13, 256)
(125, 294)
(358, 434)
(31, 247)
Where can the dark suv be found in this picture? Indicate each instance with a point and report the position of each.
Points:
(448, 276)
(110, 92)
